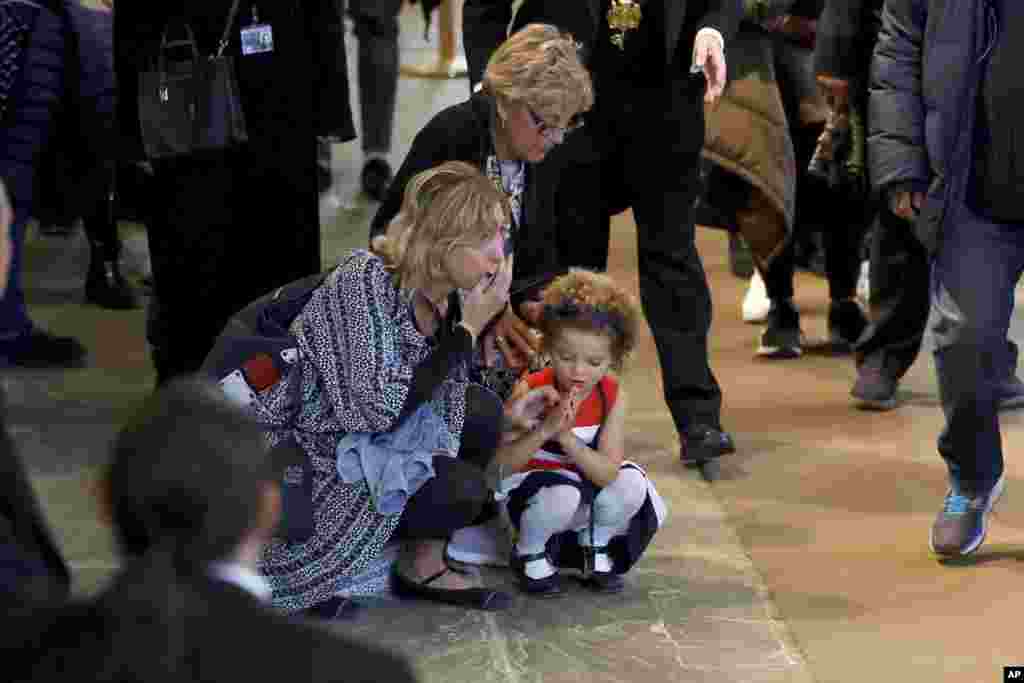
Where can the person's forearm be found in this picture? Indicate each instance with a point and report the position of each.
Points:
(597, 468)
(452, 349)
(514, 455)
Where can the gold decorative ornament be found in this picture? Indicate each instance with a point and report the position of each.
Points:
(623, 16)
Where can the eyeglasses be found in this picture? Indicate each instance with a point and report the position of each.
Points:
(553, 134)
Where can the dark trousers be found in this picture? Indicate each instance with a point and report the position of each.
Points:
(976, 268)
(376, 27)
(650, 141)
(899, 275)
(14, 321)
(841, 218)
(458, 495)
(484, 27)
(217, 244)
(65, 193)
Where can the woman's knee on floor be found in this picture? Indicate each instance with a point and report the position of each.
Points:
(453, 499)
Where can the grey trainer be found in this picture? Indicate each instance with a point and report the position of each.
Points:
(961, 525)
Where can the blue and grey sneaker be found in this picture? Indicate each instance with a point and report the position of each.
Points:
(960, 526)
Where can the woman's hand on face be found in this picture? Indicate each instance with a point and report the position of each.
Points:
(514, 338)
(531, 312)
(490, 295)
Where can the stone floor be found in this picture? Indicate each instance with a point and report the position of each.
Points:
(802, 558)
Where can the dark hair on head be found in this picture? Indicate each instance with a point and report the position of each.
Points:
(185, 487)
(187, 473)
(594, 302)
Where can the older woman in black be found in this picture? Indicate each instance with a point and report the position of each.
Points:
(533, 91)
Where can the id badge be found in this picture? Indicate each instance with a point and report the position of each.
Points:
(257, 39)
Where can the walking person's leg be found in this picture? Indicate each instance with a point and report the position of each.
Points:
(484, 27)
(673, 285)
(104, 284)
(974, 275)
(899, 280)
(376, 27)
(842, 243)
(22, 343)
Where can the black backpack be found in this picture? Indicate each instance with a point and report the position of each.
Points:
(254, 351)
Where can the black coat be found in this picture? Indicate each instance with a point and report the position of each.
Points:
(227, 228)
(225, 635)
(847, 32)
(61, 79)
(486, 20)
(582, 19)
(462, 132)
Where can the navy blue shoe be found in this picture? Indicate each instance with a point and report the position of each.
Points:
(545, 587)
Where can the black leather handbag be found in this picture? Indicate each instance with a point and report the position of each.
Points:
(190, 106)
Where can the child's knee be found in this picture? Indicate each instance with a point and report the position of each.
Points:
(557, 502)
(621, 499)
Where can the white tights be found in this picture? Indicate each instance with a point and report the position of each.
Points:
(554, 509)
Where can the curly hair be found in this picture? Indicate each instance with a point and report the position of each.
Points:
(449, 205)
(585, 300)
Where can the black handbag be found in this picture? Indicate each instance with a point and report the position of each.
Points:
(191, 105)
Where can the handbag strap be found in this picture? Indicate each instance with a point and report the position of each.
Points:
(225, 37)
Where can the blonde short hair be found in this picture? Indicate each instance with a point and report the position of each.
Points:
(446, 206)
(540, 66)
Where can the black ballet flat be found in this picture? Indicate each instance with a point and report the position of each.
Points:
(474, 598)
(549, 586)
(600, 582)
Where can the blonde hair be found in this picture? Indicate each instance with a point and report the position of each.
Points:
(594, 302)
(446, 206)
(540, 65)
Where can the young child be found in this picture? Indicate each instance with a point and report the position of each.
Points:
(571, 495)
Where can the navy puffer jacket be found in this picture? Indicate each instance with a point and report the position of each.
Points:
(929, 60)
(66, 76)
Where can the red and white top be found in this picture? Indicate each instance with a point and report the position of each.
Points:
(589, 417)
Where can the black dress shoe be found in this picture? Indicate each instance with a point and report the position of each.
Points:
(376, 177)
(702, 444)
(600, 582)
(547, 587)
(475, 598)
(107, 288)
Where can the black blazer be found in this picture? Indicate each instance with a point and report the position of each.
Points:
(227, 635)
(462, 132)
(582, 18)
